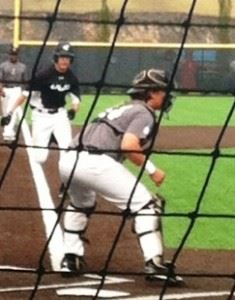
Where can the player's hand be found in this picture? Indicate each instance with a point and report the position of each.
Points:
(158, 177)
(71, 114)
(6, 120)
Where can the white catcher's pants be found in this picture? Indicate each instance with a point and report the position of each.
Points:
(100, 174)
(43, 125)
(11, 95)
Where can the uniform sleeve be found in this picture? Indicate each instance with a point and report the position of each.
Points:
(141, 125)
(75, 89)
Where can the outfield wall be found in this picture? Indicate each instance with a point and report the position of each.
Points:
(127, 61)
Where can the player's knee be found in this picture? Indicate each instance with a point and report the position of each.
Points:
(148, 218)
(76, 219)
(40, 156)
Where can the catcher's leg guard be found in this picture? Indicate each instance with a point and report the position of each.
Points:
(148, 227)
(75, 224)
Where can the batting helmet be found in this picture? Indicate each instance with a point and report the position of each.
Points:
(148, 80)
(63, 49)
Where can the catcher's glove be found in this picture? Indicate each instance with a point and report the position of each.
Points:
(6, 120)
(71, 114)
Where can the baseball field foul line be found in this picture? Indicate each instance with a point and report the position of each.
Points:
(45, 201)
(93, 282)
(202, 295)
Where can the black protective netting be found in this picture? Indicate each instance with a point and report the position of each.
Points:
(192, 216)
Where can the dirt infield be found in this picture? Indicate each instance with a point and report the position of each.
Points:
(23, 237)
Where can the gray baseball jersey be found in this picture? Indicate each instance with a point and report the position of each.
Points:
(15, 73)
(106, 132)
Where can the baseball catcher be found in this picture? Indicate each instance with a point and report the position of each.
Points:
(123, 132)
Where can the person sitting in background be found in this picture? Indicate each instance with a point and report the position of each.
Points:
(188, 73)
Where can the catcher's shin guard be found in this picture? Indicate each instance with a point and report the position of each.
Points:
(148, 227)
(75, 224)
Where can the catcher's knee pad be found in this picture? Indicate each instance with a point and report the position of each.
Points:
(76, 219)
(148, 219)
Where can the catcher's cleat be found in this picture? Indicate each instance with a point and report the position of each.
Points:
(162, 272)
(72, 265)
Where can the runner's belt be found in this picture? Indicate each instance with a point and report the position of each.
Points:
(45, 110)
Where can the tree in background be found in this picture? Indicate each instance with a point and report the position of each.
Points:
(225, 8)
(105, 15)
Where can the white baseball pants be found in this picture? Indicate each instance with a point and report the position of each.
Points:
(11, 95)
(45, 124)
(100, 174)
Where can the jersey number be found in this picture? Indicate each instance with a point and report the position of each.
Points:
(114, 113)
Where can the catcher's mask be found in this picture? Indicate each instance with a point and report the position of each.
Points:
(64, 49)
(152, 80)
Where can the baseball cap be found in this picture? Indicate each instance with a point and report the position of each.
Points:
(13, 51)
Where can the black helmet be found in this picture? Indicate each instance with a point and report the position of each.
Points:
(147, 80)
(152, 79)
(63, 49)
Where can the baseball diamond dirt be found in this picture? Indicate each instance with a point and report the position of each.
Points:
(23, 238)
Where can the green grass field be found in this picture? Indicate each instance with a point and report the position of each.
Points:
(187, 110)
(184, 181)
(186, 175)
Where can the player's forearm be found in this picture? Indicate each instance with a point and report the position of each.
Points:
(75, 103)
(134, 152)
(137, 158)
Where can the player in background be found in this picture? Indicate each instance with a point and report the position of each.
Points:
(51, 88)
(13, 74)
(120, 133)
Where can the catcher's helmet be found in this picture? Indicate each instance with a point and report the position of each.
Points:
(63, 49)
(148, 80)
(152, 79)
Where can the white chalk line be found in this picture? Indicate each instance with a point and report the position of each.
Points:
(45, 201)
(88, 292)
(181, 296)
(109, 280)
